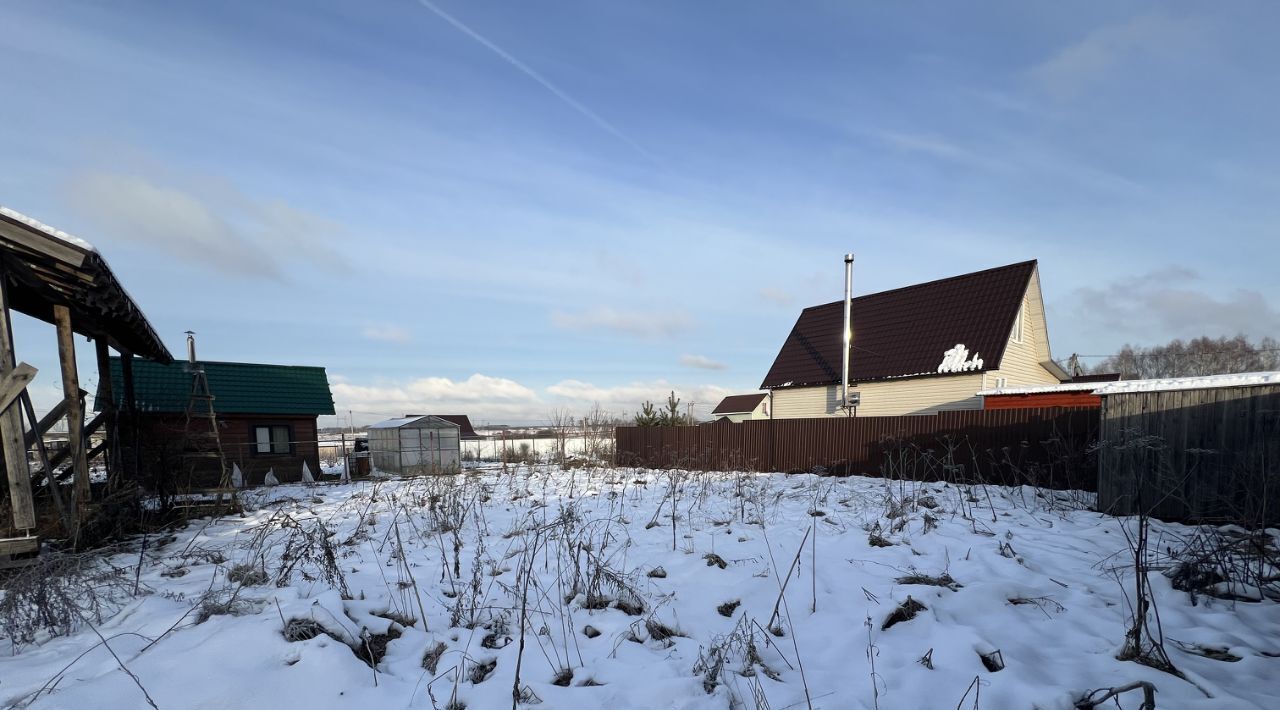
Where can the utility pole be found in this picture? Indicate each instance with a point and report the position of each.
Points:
(689, 416)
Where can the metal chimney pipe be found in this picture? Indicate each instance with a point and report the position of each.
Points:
(848, 329)
(191, 347)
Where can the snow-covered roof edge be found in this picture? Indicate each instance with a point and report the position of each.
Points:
(1039, 389)
(46, 229)
(1243, 379)
(398, 422)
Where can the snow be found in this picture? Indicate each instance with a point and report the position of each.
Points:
(1038, 389)
(46, 229)
(1246, 379)
(394, 543)
(957, 360)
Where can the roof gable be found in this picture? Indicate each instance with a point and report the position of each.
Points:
(739, 403)
(237, 387)
(906, 331)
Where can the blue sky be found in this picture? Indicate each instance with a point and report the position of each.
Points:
(503, 208)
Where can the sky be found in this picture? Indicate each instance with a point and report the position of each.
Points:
(508, 208)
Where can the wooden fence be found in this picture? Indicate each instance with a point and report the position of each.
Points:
(1043, 447)
(1197, 454)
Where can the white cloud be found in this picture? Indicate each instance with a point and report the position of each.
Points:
(479, 396)
(624, 400)
(1098, 53)
(701, 362)
(644, 324)
(498, 399)
(211, 224)
(1166, 303)
(386, 333)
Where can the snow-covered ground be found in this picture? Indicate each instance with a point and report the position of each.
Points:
(625, 608)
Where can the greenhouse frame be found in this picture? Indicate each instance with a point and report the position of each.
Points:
(415, 445)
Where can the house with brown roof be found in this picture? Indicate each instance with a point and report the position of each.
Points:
(741, 407)
(918, 349)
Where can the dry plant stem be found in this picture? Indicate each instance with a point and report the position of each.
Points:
(782, 592)
(120, 663)
(422, 610)
(1148, 695)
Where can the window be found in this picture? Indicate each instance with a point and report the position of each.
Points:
(272, 440)
(1002, 382)
(1017, 324)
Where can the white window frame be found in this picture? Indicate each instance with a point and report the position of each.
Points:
(1019, 324)
(272, 444)
(1002, 382)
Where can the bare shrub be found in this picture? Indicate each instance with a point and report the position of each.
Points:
(55, 594)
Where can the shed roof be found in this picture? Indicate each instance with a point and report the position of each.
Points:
(237, 387)
(739, 403)
(906, 331)
(1041, 389)
(415, 421)
(465, 430)
(48, 267)
(1243, 379)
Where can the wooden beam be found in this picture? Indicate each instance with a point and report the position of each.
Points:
(13, 382)
(55, 491)
(43, 244)
(46, 423)
(106, 403)
(18, 545)
(75, 407)
(11, 430)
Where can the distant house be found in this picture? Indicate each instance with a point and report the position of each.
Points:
(266, 418)
(416, 444)
(465, 431)
(741, 407)
(919, 349)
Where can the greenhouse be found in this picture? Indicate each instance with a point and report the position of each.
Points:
(414, 445)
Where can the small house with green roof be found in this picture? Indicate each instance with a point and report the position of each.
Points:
(266, 417)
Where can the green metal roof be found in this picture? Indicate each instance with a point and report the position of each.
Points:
(237, 387)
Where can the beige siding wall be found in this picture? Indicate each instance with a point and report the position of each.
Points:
(1021, 363)
(920, 395)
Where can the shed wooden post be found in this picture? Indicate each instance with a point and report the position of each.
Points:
(130, 407)
(75, 407)
(11, 432)
(110, 434)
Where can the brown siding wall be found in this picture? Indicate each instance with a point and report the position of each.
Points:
(162, 439)
(1014, 446)
(1042, 400)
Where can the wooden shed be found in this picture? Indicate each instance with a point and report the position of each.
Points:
(265, 414)
(1192, 448)
(415, 444)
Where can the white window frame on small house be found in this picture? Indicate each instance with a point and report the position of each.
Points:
(272, 439)
(1002, 382)
(1019, 323)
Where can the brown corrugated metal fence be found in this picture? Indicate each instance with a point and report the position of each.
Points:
(1044, 447)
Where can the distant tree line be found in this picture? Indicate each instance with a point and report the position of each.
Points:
(1193, 358)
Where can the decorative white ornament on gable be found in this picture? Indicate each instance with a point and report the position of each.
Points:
(957, 360)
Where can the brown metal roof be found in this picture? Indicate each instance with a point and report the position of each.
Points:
(738, 403)
(465, 431)
(904, 332)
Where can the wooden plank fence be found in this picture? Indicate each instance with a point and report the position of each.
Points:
(1043, 447)
(1210, 455)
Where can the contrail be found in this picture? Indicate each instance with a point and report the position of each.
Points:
(532, 74)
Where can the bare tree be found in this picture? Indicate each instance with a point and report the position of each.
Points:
(561, 423)
(1194, 358)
